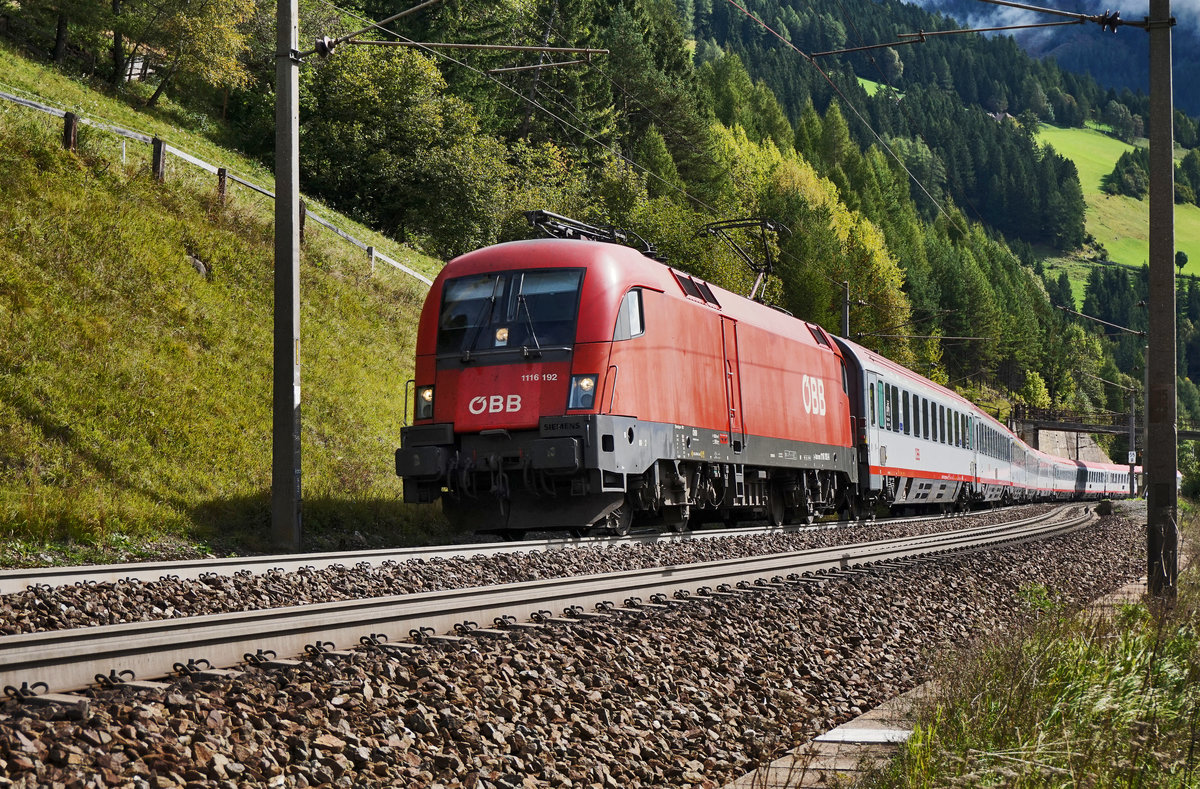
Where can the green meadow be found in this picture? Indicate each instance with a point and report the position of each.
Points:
(1118, 222)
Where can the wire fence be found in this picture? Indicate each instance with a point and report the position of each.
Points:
(71, 121)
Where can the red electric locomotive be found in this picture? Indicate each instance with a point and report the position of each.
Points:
(580, 384)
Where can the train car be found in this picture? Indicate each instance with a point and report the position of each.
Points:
(915, 437)
(575, 383)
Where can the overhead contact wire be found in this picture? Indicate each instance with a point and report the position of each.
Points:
(586, 133)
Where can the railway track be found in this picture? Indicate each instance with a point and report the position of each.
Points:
(67, 660)
(16, 580)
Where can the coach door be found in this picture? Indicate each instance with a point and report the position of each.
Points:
(733, 385)
(876, 413)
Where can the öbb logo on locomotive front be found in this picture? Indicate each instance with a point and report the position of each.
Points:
(495, 404)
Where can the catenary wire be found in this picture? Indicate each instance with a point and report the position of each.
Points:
(586, 133)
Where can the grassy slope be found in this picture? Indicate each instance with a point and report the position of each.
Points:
(1073, 700)
(135, 394)
(1120, 223)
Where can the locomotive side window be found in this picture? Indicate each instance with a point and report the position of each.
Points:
(629, 319)
(871, 400)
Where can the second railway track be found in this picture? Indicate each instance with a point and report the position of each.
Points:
(15, 580)
(71, 659)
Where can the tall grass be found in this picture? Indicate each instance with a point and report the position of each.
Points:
(135, 391)
(1074, 700)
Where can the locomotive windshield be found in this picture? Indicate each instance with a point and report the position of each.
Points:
(524, 311)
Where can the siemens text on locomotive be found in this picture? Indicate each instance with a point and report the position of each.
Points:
(580, 384)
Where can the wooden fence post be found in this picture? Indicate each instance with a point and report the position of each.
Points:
(159, 163)
(222, 184)
(70, 130)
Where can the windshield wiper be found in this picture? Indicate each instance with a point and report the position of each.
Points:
(466, 357)
(529, 322)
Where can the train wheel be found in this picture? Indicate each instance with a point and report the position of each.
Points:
(675, 517)
(807, 511)
(776, 507)
(853, 511)
(619, 521)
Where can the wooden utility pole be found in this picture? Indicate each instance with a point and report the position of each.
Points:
(1162, 535)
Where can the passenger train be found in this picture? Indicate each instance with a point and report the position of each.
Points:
(579, 384)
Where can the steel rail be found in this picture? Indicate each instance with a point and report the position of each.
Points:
(17, 580)
(71, 659)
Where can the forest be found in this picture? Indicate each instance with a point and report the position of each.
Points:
(931, 197)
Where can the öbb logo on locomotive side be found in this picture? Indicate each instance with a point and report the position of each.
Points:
(495, 404)
(813, 393)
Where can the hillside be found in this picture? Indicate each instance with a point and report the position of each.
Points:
(1118, 222)
(135, 392)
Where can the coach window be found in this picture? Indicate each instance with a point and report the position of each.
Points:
(886, 414)
(905, 425)
(955, 437)
(880, 394)
(925, 416)
(895, 409)
(629, 318)
(968, 427)
(940, 426)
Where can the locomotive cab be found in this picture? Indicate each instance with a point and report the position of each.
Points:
(512, 357)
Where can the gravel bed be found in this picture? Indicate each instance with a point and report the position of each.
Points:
(694, 696)
(86, 605)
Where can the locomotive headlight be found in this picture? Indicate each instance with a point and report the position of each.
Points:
(425, 402)
(502, 336)
(583, 391)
